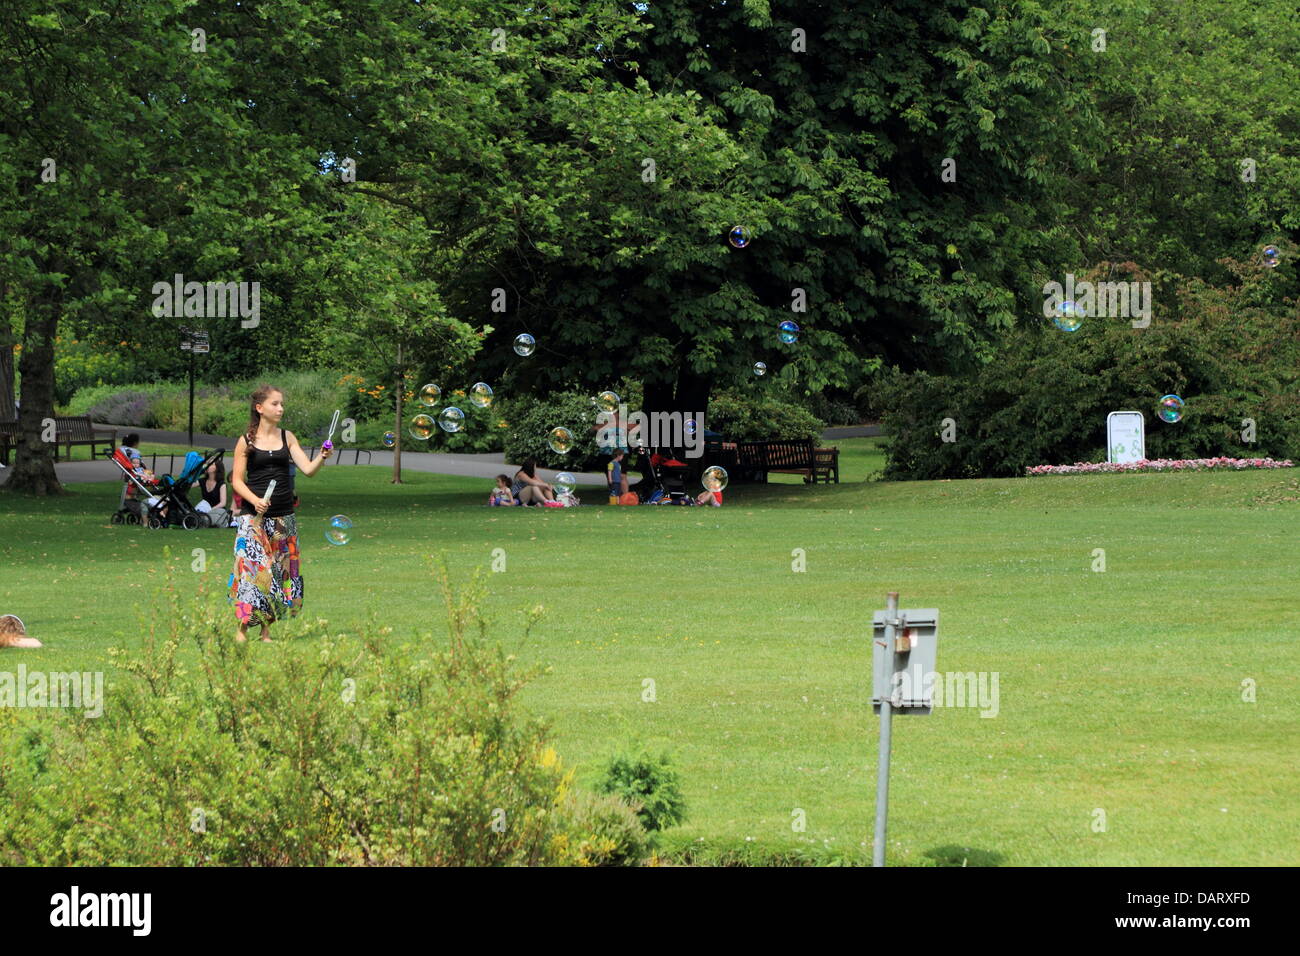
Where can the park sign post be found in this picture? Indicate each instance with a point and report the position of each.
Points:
(1125, 438)
(904, 649)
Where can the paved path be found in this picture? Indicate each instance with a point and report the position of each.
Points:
(473, 466)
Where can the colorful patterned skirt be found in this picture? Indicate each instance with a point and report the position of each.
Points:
(265, 585)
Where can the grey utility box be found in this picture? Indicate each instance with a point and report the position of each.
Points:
(908, 686)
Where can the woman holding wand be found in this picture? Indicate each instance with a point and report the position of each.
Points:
(266, 584)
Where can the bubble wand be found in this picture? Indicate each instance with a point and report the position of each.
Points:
(329, 439)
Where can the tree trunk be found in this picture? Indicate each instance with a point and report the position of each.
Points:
(33, 469)
(397, 446)
(8, 411)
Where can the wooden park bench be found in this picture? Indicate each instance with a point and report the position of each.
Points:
(788, 457)
(68, 431)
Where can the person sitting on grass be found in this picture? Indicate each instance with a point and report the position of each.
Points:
(713, 498)
(501, 494)
(528, 489)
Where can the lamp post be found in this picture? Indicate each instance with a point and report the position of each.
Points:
(194, 341)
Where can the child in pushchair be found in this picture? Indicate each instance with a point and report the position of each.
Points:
(165, 500)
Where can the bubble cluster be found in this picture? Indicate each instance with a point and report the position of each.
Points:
(480, 394)
(339, 530)
(789, 332)
(421, 427)
(564, 483)
(608, 401)
(1069, 316)
(560, 439)
(714, 478)
(525, 344)
(430, 395)
(389, 439)
(739, 236)
(451, 419)
(760, 368)
(1171, 408)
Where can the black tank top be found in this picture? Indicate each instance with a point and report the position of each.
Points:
(263, 466)
(212, 497)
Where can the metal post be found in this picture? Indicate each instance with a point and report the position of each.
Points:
(882, 779)
(191, 397)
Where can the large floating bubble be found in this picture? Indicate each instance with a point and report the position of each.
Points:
(1069, 316)
(714, 478)
(421, 427)
(525, 344)
(739, 236)
(389, 439)
(789, 332)
(560, 439)
(760, 368)
(451, 419)
(564, 483)
(480, 394)
(430, 395)
(1171, 408)
(339, 531)
(608, 401)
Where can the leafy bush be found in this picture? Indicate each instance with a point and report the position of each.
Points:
(650, 784)
(529, 421)
(80, 363)
(350, 749)
(606, 831)
(1046, 397)
(745, 415)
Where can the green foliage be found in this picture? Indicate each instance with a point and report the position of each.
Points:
(752, 414)
(79, 364)
(608, 831)
(648, 782)
(1045, 401)
(530, 420)
(366, 751)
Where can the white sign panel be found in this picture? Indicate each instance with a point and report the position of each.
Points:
(1125, 437)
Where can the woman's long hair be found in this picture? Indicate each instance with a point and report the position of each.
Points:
(529, 467)
(260, 395)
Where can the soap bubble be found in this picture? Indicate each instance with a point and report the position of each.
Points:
(564, 483)
(760, 368)
(430, 395)
(789, 332)
(421, 427)
(1272, 257)
(739, 236)
(524, 344)
(1068, 316)
(690, 426)
(451, 419)
(480, 394)
(339, 531)
(608, 401)
(560, 439)
(1171, 408)
(714, 478)
(389, 439)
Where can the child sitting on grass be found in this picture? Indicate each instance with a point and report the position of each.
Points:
(501, 493)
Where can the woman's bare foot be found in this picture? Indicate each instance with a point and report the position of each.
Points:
(266, 634)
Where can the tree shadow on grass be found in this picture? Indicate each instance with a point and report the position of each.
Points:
(952, 855)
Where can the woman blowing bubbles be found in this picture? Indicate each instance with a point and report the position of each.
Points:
(266, 585)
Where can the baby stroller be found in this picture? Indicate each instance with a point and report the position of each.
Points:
(170, 505)
(667, 480)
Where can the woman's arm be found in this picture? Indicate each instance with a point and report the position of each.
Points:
(307, 466)
(239, 474)
(221, 499)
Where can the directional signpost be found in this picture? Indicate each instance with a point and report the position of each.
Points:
(194, 341)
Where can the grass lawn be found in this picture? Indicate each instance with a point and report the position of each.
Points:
(1120, 691)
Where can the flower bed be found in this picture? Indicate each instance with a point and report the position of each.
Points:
(1161, 464)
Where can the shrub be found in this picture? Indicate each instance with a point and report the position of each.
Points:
(529, 421)
(1045, 399)
(80, 363)
(345, 749)
(744, 415)
(650, 784)
(127, 407)
(605, 831)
